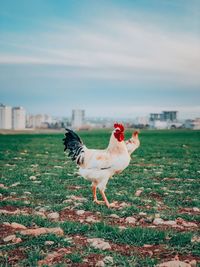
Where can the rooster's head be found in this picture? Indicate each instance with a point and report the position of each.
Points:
(119, 132)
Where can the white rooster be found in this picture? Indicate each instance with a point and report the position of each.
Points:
(98, 165)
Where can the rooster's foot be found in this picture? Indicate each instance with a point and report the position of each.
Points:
(111, 205)
(98, 202)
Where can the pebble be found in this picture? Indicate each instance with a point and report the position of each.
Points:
(17, 240)
(80, 212)
(142, 213)
(99, 243)
(170, 222)
(53, 215)
(33, 178)
(27, 193)
(108, 260)
(15, 184)
(115, 216)
(175, 263)
(42, 231)
(196, 209)
(9, 238)
(138, 192)
(49, 243)
(18, 226)
(130, 220)
(158, 221)
(91, 219)
(100, 264)
(195, 239)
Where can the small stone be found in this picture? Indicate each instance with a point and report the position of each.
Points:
(43, 231)
(175, 263)
(108, 260)
(80, 212)
(147, 246)
(18, 226)
(138, 192)
(37, 182)
(193, 263)
(3, 186)
(15, 184)
(189, 224)
(43, 209)
(9, 238)
(142, 213)
(91, 219)
(130, 220)
(27, 193)
(100, 264)
(17, 240)
(41, 214)
(158, 221)
(49, 243)
(115, 216)
(196, 209)
(6, 223)
(53, 215)
(99, 243)
(33, 178)
(170, 222)
(122, 227)
(195, 239)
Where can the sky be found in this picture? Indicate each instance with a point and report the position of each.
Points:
(113, 58)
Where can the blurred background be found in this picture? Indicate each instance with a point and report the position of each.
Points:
(85, 64)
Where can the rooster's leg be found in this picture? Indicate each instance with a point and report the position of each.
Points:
(94, 191)
(105, 198)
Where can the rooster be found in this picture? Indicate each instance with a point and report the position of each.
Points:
(98, 165)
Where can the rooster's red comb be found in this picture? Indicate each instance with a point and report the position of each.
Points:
(120, 126)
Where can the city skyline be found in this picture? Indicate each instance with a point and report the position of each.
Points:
(113, 59)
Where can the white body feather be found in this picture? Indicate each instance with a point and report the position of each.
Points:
(100, 165)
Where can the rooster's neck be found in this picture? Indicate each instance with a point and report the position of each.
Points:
(115, 144)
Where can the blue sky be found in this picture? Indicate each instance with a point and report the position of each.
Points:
(115, 58)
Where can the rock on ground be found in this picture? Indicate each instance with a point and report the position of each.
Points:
(9, 238)
(100, 264)
(130, 220)
(176, 263)
(18, 226)
(53, 215)
(99, 243)
(42, 231)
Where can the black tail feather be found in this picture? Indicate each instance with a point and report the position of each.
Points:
(73, 143)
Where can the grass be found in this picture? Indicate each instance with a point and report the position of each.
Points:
(165, 167)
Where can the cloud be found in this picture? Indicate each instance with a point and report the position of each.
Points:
(109, 49)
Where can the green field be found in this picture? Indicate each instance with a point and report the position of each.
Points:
(38, 179)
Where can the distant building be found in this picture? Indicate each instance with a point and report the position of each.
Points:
(164, 116)
(169, 116)
(192, 124)
(164, 120)
(18, 118)
(39, 121)
(5, 117)
(78, 118)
